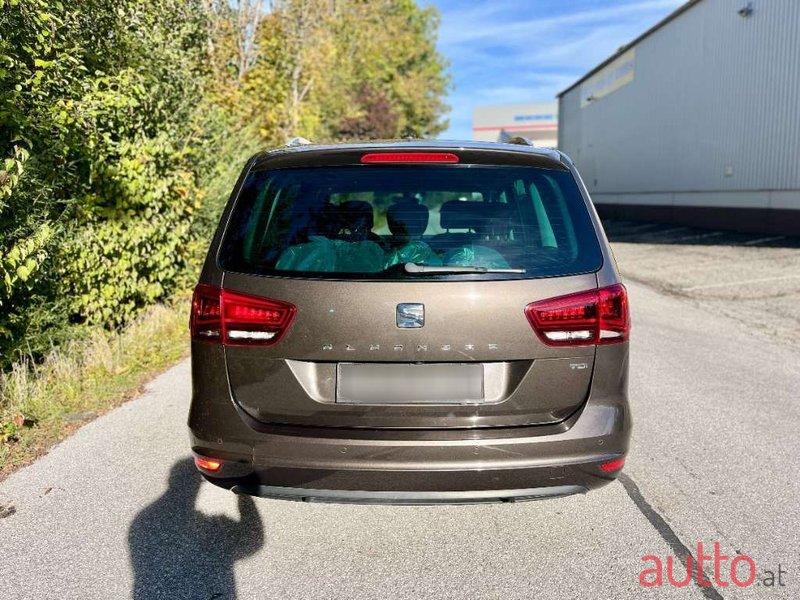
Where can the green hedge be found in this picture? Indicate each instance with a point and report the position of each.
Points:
(123, 124)
(108, 136)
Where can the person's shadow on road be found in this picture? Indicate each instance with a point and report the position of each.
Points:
(178, 552)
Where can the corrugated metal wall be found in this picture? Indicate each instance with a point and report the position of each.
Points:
(712, 117)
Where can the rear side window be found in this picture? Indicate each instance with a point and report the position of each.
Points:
(372, 221)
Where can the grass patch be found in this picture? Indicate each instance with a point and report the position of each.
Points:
(41, 404)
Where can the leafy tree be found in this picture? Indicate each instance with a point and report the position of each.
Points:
(104, 125)
(324, 63)
(123, 124)
(377, 120)
(389, 46)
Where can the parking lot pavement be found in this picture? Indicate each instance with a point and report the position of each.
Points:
(752, 278)
(117, 510)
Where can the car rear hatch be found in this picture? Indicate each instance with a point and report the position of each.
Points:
(347, 305)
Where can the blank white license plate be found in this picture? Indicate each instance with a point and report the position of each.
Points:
(400, 383)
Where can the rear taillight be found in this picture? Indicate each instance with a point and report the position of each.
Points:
(592, 317)
(206, 318)
(236, 319)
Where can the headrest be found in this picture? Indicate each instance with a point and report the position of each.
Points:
(481, 217)
(356, 219)
(408, 219)
(457, 214)
(325, 221)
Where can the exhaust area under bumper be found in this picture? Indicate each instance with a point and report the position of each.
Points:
(408, 497)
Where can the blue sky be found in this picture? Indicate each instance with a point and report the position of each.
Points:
(509, 51)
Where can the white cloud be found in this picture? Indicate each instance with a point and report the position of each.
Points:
(497, 21)
(502, 52)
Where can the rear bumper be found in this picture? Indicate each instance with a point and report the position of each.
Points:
(418, 465)
(413, 467)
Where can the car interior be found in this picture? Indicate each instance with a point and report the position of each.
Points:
(370, 226)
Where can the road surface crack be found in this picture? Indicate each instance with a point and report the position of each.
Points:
(667, 534)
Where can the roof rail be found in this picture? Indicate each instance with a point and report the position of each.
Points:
(298, 141)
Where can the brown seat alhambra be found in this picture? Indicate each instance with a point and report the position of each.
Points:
(410, 322)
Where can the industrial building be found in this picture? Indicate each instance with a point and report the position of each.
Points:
(501, 122)
(697, 121)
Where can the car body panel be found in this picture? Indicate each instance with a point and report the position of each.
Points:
(342, 321)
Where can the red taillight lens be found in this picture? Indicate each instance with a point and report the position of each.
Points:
(251, 320)
(613, 465)
(207, 464)
(410, 157)
(592, 317)
(615, 316)
(233, 318)
(206, 318)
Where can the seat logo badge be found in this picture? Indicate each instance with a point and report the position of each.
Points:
(410, 315)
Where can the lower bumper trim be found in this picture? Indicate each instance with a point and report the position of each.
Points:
(408, 497)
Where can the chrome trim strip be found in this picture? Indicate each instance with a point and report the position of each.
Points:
(408, 497)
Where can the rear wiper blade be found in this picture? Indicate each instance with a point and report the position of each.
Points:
(415, 268)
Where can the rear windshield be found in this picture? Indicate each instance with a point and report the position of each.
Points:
(400, 222)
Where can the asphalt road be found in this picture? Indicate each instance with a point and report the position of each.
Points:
(751, 277)
(117, 509)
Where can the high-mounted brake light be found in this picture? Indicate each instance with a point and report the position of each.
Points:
(236, 319)
(592, 317)
(410, 157)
